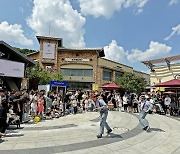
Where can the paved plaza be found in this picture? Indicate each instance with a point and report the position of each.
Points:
(77, 134)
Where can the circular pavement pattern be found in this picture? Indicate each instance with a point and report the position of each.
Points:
(77, 134)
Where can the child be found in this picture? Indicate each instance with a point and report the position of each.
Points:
(12, 116)
(34, 108)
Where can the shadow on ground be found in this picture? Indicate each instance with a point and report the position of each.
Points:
(156, 130)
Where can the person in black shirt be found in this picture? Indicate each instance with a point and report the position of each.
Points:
(3, 115)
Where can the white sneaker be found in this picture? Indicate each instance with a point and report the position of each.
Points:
(147, 129)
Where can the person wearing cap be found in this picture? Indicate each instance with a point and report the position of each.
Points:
(145, 107)
(103, 115)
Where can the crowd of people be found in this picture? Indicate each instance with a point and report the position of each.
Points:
(22, 106)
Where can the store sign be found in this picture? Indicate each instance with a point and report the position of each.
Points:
(160, 89)
(59, 83)
(95, 86)
(11, 68)
(76, 60)
(48, 51)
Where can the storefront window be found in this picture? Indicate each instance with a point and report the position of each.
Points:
(77, 72)
(79, 85)
(107, 75)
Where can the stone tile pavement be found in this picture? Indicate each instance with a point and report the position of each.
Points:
(77, 134)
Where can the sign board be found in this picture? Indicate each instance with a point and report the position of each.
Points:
(160, 89)
(177, 76)
(76, 59)
(11, 68)
(95, 86)
(48, 50)
(58, 83)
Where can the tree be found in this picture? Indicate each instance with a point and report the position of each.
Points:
(42, 76)
(131, 83)
(25, 51)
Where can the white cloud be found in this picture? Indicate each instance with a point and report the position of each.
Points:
(63, 20)
(155, 50)
(107, 8)
(117, 53)
(13, 33)
(173, 2)
(175, 31)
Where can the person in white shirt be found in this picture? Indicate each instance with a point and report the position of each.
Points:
(145, 107)
(167, 102)
(125, 101)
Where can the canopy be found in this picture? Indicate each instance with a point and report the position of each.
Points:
(111, 86)
(170, 83)
(170, 92)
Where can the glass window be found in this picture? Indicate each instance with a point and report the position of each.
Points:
(76, 72)
(87, 72)
(107, 75)
(65, 72)
(79, 72)
(73, 73)
(118, 75)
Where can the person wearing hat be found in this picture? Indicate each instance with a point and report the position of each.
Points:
(145, 107)
(103, 115)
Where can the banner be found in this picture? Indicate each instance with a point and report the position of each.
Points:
(11, 68)
(160, 89)
(95, 86)
(48, 50)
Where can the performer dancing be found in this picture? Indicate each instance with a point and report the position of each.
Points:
(103, 115)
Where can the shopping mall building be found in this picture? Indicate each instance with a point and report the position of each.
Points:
(80, 67)
(163, 69)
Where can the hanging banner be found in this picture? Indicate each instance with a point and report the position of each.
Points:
(48, 50)
(95, 86)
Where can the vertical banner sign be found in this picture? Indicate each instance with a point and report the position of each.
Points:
(49, 50)
(94, 86)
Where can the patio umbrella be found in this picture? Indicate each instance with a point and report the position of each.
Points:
(170, 83)
(111, 86)
(170, 93)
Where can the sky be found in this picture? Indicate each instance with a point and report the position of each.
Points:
(130, 31)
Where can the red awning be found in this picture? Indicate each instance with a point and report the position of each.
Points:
(170, 83)
(170, 92)
(111, 86)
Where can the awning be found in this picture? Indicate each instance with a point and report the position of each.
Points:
(111, 86)
(170, 83)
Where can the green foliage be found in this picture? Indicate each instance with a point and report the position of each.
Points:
(25, 51)
(131, 83)
(42, 76)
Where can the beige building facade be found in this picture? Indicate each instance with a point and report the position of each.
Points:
(163, 69)
(80, 67)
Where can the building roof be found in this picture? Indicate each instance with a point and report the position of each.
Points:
(162, 60)
(6, 48)
(117, 63)
(99, 50)
(50, 38)
(167, 60)
(33, 53)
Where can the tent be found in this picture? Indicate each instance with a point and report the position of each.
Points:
(170, 83)
(170, 92)
(111, 86)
